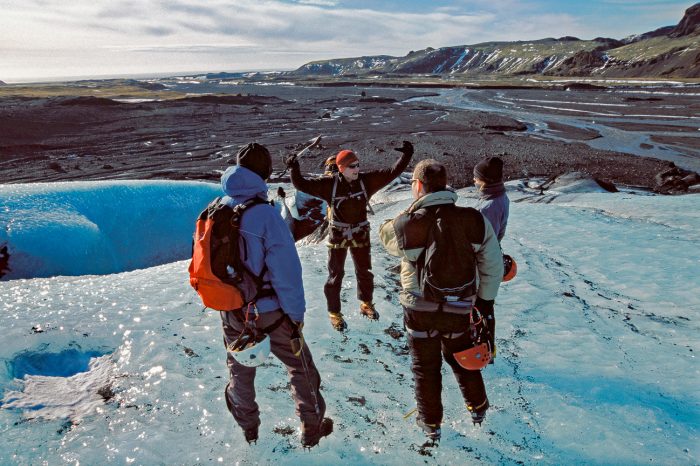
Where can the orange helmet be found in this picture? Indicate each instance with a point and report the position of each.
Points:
(510, 268)
(475, 358)
(479, 354)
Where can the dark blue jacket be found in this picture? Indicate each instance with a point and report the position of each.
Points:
(267, 242)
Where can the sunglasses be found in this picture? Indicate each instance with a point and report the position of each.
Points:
(354, 165)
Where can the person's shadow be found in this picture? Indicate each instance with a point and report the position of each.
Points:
(4, 260)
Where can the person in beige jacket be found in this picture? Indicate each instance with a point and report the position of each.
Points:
(437, 326)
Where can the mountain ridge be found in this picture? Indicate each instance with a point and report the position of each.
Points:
(669, 51)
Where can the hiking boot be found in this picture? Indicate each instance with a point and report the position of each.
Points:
(337, 321)
(432, 431)
(251, 434)
(311, 434)
(478, 412)
(367, 309)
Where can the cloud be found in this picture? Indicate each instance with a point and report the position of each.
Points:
(241, 33)
(182, 48)
(318, 2)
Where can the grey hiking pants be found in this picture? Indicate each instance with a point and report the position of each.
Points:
(240, 391)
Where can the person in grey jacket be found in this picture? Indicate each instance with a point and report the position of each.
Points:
(267, 245)
(493, 201)
(494, 204)
(438, 330)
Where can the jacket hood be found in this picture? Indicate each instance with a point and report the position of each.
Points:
(242, 184)
(436, 198)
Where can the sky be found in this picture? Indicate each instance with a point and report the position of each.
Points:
(596, 335)
(44, 39)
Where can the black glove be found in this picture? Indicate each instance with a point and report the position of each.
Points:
(407, 148)
(291, 161)
(485, 308)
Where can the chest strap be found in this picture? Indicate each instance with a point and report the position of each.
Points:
(358, 194)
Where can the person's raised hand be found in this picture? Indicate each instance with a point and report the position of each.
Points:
(406, 148)
(291, 161)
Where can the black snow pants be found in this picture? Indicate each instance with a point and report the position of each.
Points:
(427, 353)
(336, 271)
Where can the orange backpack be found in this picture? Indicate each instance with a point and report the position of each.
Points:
(217, 273)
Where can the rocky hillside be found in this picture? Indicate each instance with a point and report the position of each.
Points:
(671, 51)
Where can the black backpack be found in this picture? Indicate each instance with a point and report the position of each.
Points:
(447, 266)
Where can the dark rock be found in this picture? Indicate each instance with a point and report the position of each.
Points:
(107, 167)
(379, 100)
(606, 185)
(675, 180)
(394, 332)
(643, 99)
(55, 166)
(580, 64)
(284, 431)
(516, 126)
(691, 179)
(358, 400)
(87, 101)
(106, 392)
(582, 87)
(152, 86)
(689, 23)
(233, 100)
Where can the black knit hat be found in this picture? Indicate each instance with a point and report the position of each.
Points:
(256, 158)
(489, 170)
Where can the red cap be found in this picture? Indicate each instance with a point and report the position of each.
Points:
(345, 158)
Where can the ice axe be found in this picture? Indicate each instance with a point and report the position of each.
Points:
(313, 143)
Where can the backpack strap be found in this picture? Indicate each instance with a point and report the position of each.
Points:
(234, 253)
(336, 180)
(369, 207)
(335, 188)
